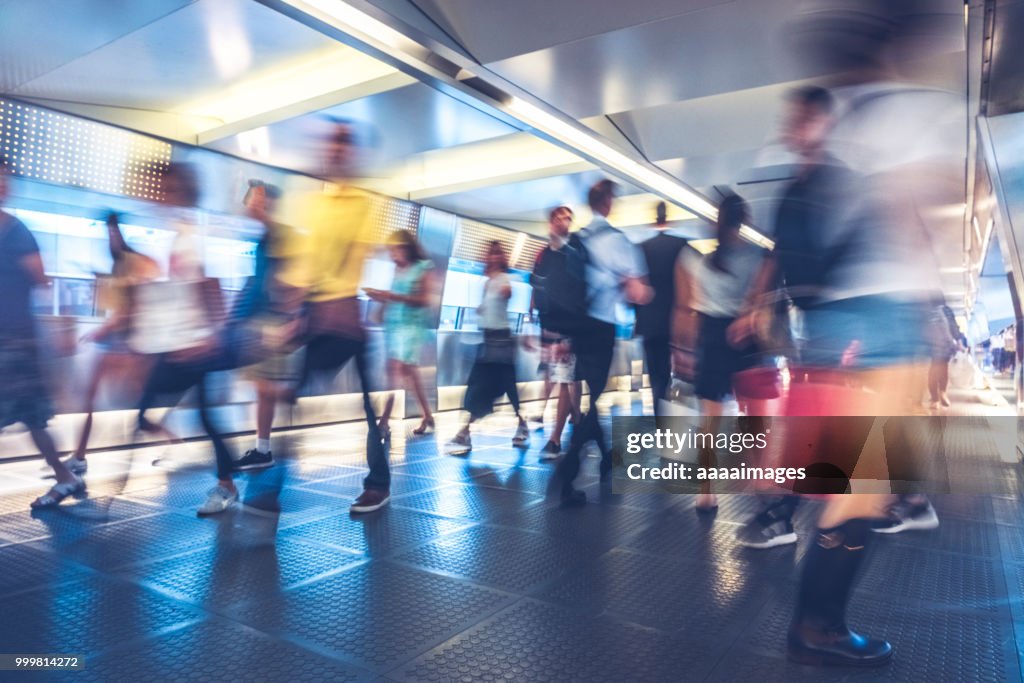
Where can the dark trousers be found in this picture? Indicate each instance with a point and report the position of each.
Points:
(659, 368)
(330, 353)
(168, 377)
(486, 383)
(593, 349)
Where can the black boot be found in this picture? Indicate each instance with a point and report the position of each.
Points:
(819, 634)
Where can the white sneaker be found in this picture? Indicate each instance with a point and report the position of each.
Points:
(906, 517)
(218, 500)
(522, 436)
(459, 445)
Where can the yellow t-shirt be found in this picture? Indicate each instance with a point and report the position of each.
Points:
(326, 253)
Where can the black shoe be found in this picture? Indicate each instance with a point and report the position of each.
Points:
(574, 498)
(551, 451)
(835, 647)
(253, 460)
(819, 635)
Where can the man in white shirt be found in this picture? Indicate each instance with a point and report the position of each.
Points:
(615, 273)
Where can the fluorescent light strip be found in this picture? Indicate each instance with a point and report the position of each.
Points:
(364, 27)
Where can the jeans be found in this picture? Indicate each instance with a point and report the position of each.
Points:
(593, 348)
(865, 332)
(329, 353)
(168, 377)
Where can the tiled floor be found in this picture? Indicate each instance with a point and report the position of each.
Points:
(472, 573)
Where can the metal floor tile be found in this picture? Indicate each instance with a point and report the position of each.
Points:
(930, 645)
(219, 651)
(23, 566)
(474, 573)
(375, 615)
(536, 642)
(713, 601)
(140, 540)
(602, 526)
(86, 616)
(350, 486)
(227, 573)
(949, 581)
(447, 468)
(504, 558)
(390, 530)
(470, 502)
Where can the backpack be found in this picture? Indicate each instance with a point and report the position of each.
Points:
(562, 295)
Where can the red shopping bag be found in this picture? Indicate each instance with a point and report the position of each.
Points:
(828, 419)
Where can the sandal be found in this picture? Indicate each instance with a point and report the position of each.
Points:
(58, 493)
(426, 427)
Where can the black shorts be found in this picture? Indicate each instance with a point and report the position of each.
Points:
(25, 397)
(717, 361)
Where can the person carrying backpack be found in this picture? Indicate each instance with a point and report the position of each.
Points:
(607, 270)
(551, 282)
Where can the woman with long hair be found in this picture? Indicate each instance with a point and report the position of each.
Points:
(407, 309)
(494, 372)
(717, 285)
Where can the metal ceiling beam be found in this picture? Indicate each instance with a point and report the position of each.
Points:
(365, 27)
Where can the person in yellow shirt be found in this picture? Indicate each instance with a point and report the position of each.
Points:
(336, 233)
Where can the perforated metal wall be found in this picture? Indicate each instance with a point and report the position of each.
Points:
(52, 147)
(396, 214)
(474, 237)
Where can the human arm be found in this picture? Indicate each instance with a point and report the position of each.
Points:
(745, 325)
(685, 323)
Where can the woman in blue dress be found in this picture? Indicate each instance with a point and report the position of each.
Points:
(407, 309)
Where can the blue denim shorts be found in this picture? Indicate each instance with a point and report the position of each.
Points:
(870, 331)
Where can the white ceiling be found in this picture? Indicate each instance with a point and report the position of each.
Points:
(693, 86)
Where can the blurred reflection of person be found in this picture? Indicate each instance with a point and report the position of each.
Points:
(494, 371)
(24, 396)
(407, 317)
(116, 357)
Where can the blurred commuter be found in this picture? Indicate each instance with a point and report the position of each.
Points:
(866, 327)
(801, 260)
(718, 283)
(116, 357)
(654, 319)
(335, 235)
(25, 395)
(944, 341)
(261, 312)
(407, 317)
(191, 330)
(549, 286)
(494, 371)
(612, 272)
(1009, 350)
